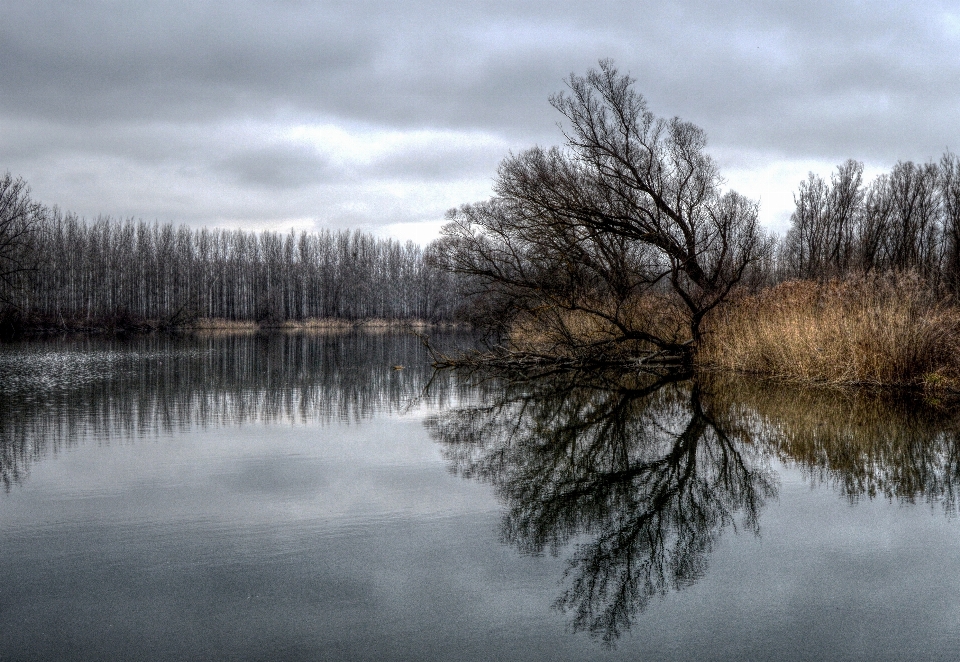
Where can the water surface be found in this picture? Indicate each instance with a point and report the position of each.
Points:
(295, 496)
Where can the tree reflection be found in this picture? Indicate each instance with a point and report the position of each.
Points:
(635, 477)
(642, 476)
(636, 471)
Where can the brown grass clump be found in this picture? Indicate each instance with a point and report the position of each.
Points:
(312, 324)
(324, 324)
(369, 324)
(557, 331)
(882, 330)
(562, 332)
(220, 324)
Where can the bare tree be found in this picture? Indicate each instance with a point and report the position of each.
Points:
(820, 242)
(949, 183)
(631, 207)
(874, 226)
(914, 237)
(844, 205)
(806, 237)
(20, 218)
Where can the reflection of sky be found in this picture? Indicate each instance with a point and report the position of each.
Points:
(825, 580)
(357, 542)
(257, 475)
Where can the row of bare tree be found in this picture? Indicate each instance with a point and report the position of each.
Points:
(906, 220)
(58, 266)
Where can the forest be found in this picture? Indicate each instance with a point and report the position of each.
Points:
(61, 271)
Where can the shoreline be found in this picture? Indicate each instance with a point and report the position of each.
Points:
(933, 388)
(26, 329)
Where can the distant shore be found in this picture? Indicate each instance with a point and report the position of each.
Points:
(26, 327)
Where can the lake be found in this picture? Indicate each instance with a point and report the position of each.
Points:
(303, 497)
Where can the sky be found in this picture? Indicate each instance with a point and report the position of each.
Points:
(383, 115)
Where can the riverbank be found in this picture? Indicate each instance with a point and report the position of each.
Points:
(883, 331)
(867, 330)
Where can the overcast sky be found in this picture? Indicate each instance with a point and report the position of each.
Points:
(383, 115)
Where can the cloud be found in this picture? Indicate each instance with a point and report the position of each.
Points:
(277, 167)
(101, 99)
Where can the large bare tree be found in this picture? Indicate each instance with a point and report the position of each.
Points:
(626, 224)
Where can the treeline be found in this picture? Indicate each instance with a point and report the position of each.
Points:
(904, 220)
(862, 289)
(550, 250)
(73, 270)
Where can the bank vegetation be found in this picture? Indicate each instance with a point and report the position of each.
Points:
(624, 245)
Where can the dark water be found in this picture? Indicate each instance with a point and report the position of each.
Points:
(290, 497)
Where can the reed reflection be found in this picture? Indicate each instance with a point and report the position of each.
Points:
(636, 479)
(865, 444)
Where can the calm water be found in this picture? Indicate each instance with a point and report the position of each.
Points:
(290, 497)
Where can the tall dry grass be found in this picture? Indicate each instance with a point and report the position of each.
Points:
(332, 324)
(564, 332)
(883, 330)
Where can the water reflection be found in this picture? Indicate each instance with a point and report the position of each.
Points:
(866, 444)
(54, 394)
(637, 471)
(632, 480)
(645, 475)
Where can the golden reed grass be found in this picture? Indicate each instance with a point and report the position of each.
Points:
(220, 324)
(882, 330)
(557, 331)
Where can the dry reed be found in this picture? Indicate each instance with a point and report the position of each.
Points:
(562, 332)
(324, 324)
(220, 324)
(882, 330)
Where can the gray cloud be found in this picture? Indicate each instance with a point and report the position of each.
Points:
(182, 92)
(277, 167)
